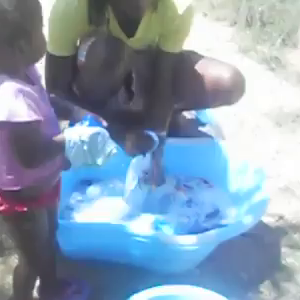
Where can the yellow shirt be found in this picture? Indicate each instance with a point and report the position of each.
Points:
(167, 27)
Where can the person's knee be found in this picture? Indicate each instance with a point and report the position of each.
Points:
(233, 84)
(224, 83)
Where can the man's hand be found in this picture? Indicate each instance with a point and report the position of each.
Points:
(156, 176)
(138, 143)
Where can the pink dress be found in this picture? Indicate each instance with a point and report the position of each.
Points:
(19, 103)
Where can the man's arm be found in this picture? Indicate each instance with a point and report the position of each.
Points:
(175, 22)
(175, 25)
(61, 72)
(59, 75)
(160, 106)
(160, 103)
(68, 22)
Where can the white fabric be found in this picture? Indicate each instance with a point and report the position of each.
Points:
(88, 145)
(188, 204)
(183, 205)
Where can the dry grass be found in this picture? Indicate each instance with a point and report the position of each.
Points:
(266, 29)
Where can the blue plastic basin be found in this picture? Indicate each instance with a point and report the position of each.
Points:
(177, 292)
(194, 157)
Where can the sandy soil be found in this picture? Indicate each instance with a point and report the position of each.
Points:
(265, 262)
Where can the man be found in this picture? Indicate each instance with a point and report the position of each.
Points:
(137, 50)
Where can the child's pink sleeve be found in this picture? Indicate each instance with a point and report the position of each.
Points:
(18, 103)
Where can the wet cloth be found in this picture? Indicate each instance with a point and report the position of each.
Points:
(87, 145)
(188, 204)
(183, 205)
(97, 201)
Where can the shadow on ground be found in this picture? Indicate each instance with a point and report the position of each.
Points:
(285, 120)
(236, 269)
(248, 267)
(3, 295)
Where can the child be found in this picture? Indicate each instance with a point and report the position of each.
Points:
(31, 153)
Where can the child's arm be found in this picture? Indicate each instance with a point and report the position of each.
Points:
(31, 147)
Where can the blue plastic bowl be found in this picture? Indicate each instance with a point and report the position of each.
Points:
(177, 292)
(118, 243)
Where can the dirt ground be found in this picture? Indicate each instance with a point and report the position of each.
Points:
(264, 263)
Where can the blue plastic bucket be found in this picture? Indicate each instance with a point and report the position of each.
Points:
(177, 292)
(204, 116)
(90, 120)
(205, 158)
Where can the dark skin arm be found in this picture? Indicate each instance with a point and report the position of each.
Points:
(160, 103)
(65, 110)
(160, 107)
(60, 75)
(32, 150)
(157, 114)
(31, 147)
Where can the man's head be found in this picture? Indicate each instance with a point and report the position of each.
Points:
(22, 42)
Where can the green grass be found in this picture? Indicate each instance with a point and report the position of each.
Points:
(266, 29)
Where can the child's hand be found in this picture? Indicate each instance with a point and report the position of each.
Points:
(66, 164)
(100, 119)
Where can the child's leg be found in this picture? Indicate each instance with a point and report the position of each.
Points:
(51, 285)
(48, 271)
(29, 231)
(24, 279)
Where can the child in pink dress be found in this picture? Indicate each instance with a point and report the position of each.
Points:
(32, 155)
